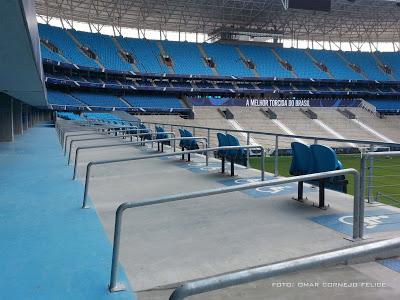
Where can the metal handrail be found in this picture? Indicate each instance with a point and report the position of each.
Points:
(64, 133)
(102, 162)
(294, 265)
(104, 133)
(306, 137)
(363, 168)
(174, 139)
(357, 222)
(126, 143)
(105, 138)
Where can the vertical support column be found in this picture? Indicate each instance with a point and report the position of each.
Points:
(6, 118)
(25, 117)
(17, 117)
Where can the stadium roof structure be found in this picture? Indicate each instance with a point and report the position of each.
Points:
(348, 21)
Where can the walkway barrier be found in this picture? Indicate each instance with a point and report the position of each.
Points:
(371, 182)
(277, 138)
(137, 135)
(122, 136)
(138, 143)
(65, 139)
(300, 264)
(358, 222)
(102, 162)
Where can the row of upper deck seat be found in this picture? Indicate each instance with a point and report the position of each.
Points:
(187, 57)
(79, 98)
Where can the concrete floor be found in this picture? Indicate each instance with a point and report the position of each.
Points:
(164, 245)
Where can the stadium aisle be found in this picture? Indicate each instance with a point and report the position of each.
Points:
(50, 248)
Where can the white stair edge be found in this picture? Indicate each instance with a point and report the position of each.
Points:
(333, 132)
(286, 129)
(235, 124)
(373, 131)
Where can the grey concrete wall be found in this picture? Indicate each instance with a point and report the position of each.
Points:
(6, 118)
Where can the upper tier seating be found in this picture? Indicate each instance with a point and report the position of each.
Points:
(186, 58)
(386, 104)
(60, 98)
(227, 60)
(64, 42)
(391, 59)
(147, 54)
(48, 54)
(302, 64)
(69, 116)
(336, 65)
(368, 64)
(97, 99)
(153, 101)
(266, 63)
(102, 116)
(104, 48)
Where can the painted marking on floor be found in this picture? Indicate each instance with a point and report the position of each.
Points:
(377, 220)
(262, 192)
(392, 263)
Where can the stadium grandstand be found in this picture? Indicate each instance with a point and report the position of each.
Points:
(244, 149)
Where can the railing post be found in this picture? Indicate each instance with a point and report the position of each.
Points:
(88, 168)
(208, 145)
(114, 286)
(370, 175)
(248, 150)
(276, 168)
(262, 164)
(363, 171)
(315, 141)
(360, 199)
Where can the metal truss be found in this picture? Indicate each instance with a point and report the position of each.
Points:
(361, 21)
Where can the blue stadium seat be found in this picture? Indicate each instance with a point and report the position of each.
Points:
(227, 60)
(146, 53)
(235, 154)
(104, 47)
(324, 159)
(64, 42)
(265, 61)
(59, 98)
(302, 63)
(186, 58)
(144, 130)
(368, 64)
(153, 101)
(316, 159)
(302, 160)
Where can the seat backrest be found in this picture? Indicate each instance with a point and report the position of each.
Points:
(222, 142)
(233, 141)
(182, 143)
(302, 159)
(324, 158)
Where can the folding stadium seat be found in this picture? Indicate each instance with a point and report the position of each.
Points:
(160, 134)
(144, 130)
(302, 159)
(325, 160)
(222, 142)
(188, 144)
(236, 154)
(316, 159)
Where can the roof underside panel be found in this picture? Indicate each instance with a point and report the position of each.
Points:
(362, 20)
